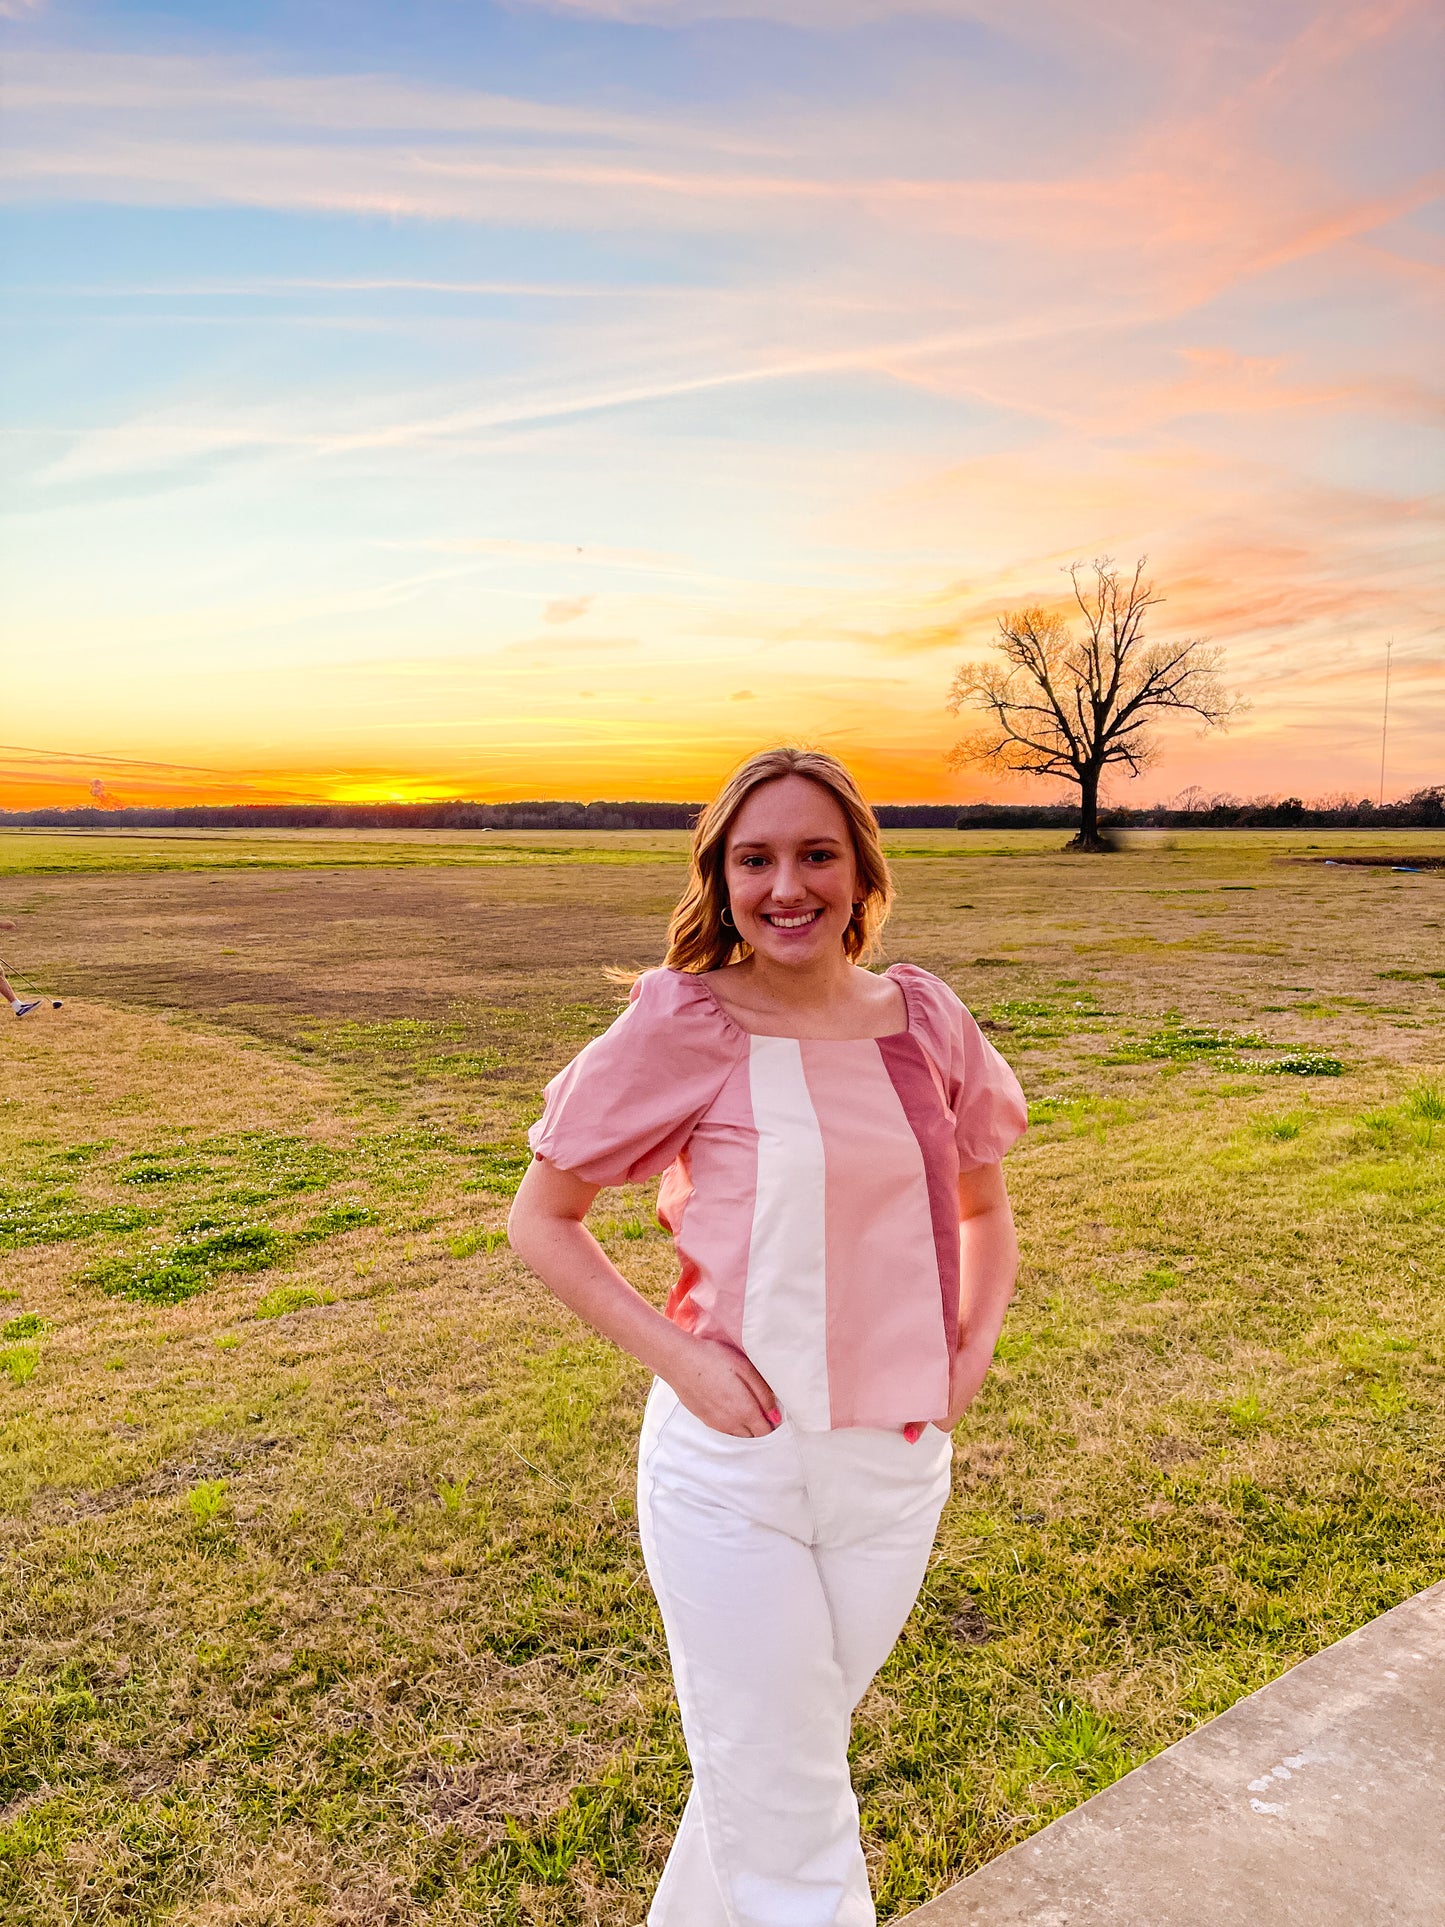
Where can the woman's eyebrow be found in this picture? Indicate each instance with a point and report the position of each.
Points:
(807, 843)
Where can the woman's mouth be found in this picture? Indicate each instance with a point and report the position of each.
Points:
(792, 919)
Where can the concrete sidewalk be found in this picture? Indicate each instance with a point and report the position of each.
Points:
(1319, 1801)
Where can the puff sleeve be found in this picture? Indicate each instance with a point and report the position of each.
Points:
(624, 1107)
(987, 1101)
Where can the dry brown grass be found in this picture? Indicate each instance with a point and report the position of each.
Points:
(336, 1617)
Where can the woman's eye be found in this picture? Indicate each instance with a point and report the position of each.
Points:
(820, 856)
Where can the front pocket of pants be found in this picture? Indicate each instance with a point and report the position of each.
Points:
(744, 1443)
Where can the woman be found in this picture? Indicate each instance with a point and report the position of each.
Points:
(830, 1140)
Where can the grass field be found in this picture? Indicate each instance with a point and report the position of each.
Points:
(321, 1591)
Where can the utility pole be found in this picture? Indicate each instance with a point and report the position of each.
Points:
(1385, 719)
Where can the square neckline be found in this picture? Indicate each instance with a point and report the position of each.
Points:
(700, 977)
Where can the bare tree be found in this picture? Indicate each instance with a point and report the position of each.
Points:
(1070, 706)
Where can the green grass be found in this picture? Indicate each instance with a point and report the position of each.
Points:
(123, 852)
(349, 1215)
(469, 1242)
(1425, 1105)
(497, 1169)
(206, 1501)
(18, 1362)
(27, 1324)
(1181, 1043)
(164, 1274)
(43, 853)
(288, 1298)
(42, 1217)
(322, 1601)
(380, 1035)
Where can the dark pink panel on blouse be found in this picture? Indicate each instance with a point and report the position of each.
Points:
(918, 1093)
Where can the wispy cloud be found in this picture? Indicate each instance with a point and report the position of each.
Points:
(552, 648)
(283, 287)
(590, 555)
(224, 92)
(567, 608)
(801, 379)
(1114, 18)
(1174, 213)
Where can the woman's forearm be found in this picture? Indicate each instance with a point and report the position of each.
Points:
(575, 1268)
(713, 1379)
(989, 1262)
(988, 1265)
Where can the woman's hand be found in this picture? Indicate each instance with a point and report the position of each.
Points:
(720, 1386)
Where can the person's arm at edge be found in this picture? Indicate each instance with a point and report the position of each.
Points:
(546, 1230)
(988, 1264)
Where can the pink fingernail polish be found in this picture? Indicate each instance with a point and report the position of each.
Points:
(912, 1433)
(774, 1417)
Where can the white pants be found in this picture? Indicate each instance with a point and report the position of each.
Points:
(784, 1567)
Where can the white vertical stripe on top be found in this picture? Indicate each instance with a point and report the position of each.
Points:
(785, 1301)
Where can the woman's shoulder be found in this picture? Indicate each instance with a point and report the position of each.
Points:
(937, 1016)
(922, 980)
(622, 1109)
(923, 991)
(664, 989)
(679, 1006)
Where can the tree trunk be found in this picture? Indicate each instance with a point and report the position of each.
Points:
(1088, 837)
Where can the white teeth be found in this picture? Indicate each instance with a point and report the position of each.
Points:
(792, 923)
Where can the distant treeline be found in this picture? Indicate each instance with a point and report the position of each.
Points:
(374, 816)
(425, 816)
(1422, 810)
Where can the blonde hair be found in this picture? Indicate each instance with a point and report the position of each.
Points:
(698, 939)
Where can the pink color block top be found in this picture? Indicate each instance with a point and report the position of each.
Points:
(811, 1185)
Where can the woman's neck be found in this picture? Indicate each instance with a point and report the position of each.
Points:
(823, 983)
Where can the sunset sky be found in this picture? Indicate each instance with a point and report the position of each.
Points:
(565, 397)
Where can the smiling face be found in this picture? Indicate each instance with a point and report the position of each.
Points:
(790, 872)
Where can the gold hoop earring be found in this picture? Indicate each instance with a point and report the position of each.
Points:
(725, 918)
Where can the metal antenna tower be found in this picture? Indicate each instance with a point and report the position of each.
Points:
(1385, 719)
